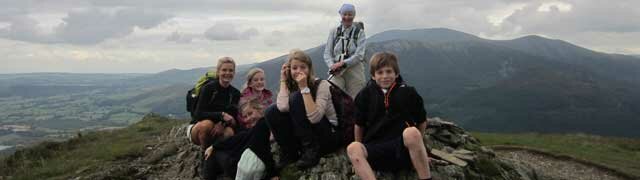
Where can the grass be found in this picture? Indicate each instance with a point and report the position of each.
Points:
(61, 160)
(622, 154)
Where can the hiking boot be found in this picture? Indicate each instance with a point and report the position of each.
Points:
(287, 157)
(310, 156)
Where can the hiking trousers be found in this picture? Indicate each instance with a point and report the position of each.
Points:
(351, 80)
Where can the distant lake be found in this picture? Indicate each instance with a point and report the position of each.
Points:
(4, 147)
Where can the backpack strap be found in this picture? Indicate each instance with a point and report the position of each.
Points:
(359, 26)
(335, 38)
(314, 88)
(354, 35)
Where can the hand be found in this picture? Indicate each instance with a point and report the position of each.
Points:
(301, 80)
(208, 152)
(337, 66)
(275, 178)
(283, 71)
(226, 117)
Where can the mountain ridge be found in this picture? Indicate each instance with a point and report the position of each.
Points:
(445, 65)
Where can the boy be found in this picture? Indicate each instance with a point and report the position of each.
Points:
(390, 122)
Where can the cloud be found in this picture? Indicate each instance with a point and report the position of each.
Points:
(24, 28)
(191, 33)
(179, 37)
(275, 38)
(84, 27)
(224, 31)
(570, 17)
(223, 6)
(92, 27)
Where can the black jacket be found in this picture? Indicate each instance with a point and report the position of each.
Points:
(215, 99)
(406, 108)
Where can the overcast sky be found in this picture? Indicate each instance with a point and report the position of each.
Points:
(145, 36)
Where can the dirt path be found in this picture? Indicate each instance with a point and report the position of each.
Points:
(558, 168)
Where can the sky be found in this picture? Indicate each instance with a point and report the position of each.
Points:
(147, 36)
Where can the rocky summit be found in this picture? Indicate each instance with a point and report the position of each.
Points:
(455, 155)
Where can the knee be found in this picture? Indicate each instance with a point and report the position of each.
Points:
(271, 112)
(228, 132)
(203, 127)
(411, 137)
(355, 150)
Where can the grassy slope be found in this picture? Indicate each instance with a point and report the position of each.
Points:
(53, 160)
(622, 154)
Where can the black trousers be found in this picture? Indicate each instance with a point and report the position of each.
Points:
(228, 153)
(260, 145)
(292, 128)
(225, 157)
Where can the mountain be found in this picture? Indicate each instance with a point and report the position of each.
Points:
(433, 35)
(528, 84)
(614, 66)
(188, 76)
(525, 84)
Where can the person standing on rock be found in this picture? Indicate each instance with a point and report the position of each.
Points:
(390, 121)
(214, 114)
(344, 52)
(303, 116)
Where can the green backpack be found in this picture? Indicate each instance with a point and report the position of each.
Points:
(193, 93)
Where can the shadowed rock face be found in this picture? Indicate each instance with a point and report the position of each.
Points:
(459, 157)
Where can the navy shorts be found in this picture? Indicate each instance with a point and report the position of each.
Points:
(389, 155)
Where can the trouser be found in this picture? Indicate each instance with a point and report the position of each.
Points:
(293, 128)
(282, 129)
(258, 146)
(225, 156)
(351, 80)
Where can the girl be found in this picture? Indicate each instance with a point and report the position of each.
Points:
(254, 88)
(303, 118)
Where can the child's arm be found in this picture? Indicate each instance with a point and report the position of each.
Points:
(358, 132)
(422, 126)
(318, 108)
(282, 101)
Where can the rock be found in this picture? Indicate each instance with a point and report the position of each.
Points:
(470, 160)
(464, 157)
(448, 157)
(462, 151)
(174, 157)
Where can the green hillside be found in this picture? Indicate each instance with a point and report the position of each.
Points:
(621, 154)
(86, 153)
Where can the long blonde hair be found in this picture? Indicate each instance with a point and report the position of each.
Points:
(250, 76)
(301, 56)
